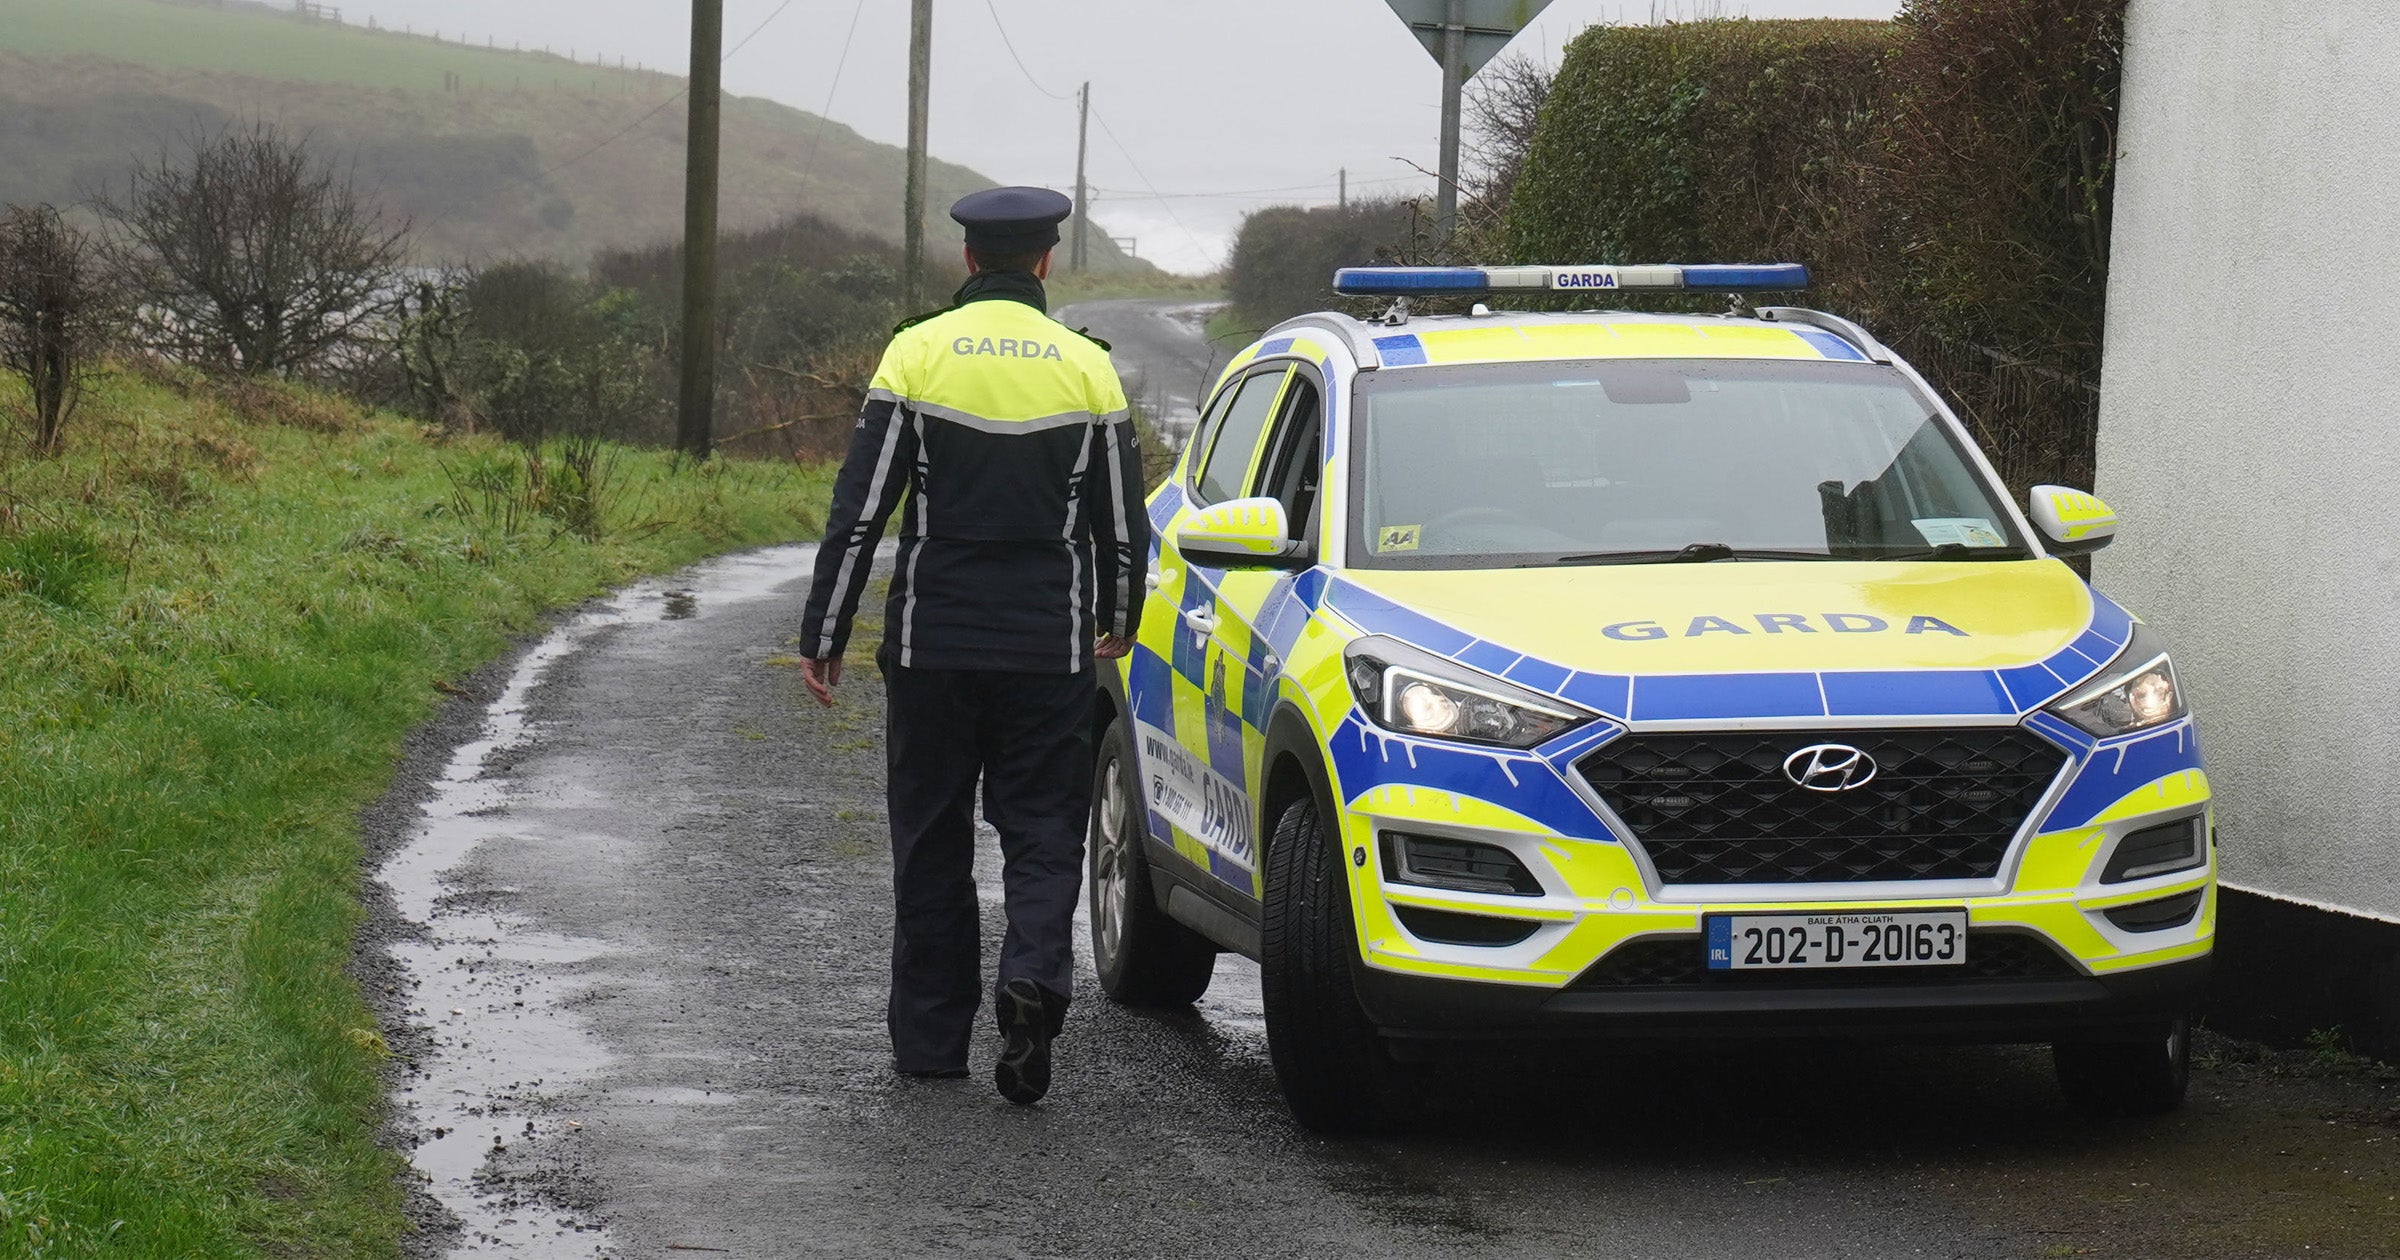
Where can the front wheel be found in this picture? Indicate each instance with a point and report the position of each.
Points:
(1143, 957)
(1328, 1058)
(2127, 1078)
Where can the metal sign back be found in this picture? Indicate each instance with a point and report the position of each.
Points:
(1490, 24)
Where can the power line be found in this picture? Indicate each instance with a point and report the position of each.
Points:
(754, 32)
(662, 106)
(1168, 206)
(825, 115)
(1010, 45)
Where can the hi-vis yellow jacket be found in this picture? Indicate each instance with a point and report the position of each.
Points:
(1025, 535)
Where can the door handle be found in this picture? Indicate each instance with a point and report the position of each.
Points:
(1200, 620)
(1158, 578)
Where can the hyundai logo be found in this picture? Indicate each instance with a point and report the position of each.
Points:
(1829, 768)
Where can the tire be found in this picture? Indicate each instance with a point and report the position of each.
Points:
(1143, 957)
(1328, 1058)
(2127, 1078)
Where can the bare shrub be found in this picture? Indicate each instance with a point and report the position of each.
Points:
(1504, 109)
(427, 349)
(249, 254)
(56, 313)
(804, 413)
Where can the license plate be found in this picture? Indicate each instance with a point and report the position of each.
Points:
(1873, 938)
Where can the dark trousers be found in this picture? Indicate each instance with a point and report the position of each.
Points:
(1028, 738)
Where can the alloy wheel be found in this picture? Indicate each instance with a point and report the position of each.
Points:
(1111, 880)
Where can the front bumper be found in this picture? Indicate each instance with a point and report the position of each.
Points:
(1425, 1009)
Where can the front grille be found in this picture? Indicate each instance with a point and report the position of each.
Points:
(1716, 808)
(1668, 961)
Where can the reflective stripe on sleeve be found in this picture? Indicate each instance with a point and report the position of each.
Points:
(842, 595)
(1120, 575)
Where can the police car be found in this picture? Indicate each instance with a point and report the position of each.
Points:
(1561, 675)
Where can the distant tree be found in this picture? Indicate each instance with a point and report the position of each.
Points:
(56, 313)
(251, 255)
(1284, 258)
(541, 354)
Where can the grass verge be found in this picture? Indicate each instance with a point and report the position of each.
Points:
(1066, 287)
(1232, 329)
(219, 616)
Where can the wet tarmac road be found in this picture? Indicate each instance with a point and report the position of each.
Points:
(1161, 349)
(637, 931)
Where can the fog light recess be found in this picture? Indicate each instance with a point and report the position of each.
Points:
(2160, 850)
(1456, 865)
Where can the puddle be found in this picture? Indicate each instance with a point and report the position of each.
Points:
(494, 990)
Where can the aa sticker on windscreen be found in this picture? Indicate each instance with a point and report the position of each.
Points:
(1399, 538)
(1966, 531)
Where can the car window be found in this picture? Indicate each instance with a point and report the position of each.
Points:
(1295, 459)
(1580, 462)
(1225, 465)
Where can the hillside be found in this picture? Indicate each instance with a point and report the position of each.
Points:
(491, 152)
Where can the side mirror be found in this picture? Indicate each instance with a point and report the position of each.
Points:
(1240, 534)
(2073, 520)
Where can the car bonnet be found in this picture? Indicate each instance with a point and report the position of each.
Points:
(1740, 639)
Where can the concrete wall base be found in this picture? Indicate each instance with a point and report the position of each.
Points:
(2286, 970)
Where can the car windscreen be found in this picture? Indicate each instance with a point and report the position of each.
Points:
(1630, 461)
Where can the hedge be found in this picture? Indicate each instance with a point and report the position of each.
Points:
(1284, 259)
(1706, 140)
(1947, 176)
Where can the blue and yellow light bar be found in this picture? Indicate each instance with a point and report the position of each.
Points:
(1667, 277)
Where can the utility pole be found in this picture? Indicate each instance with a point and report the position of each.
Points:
(920, 92)
(1454, 83)
(1083, 198)
(695, 420)
(1344, 203)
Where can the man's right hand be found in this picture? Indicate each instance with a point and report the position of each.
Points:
(822, 677)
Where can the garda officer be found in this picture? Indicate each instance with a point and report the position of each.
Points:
(1022, 549)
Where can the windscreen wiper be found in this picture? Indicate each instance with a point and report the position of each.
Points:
(1695, 553)
(1957, 551)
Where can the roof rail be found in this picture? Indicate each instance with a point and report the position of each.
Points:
(1835, 324)
(1354, 334)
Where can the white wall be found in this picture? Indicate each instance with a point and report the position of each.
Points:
(2250, 418)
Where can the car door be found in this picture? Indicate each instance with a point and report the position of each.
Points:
(1243, 663)
(1187, 731)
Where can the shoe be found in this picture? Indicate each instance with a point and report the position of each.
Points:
(934, 1074)
(1023, 1072)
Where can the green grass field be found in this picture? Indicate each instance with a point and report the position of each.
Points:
(218, 618)
(183, 36)
(531, 156)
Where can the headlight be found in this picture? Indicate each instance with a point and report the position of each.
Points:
(1417, 693)
(2124, 700)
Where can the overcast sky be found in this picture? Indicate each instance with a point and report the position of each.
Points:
(1211, 101)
